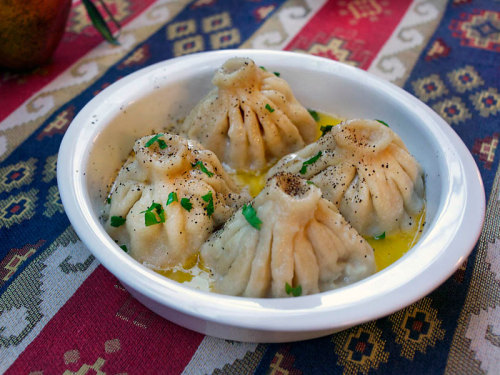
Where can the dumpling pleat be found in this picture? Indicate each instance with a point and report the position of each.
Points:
(257, 153)
(305, 265)
(386, 199)
(326, 246)
(357, 205)
(238, 143)
(412, 203)
(348, 236)
(289, 132)
(412, 168)
(223, 252)
(125, 196)
(174, 228)
(282, 259)
(278, 90)
(407, 162)
(234, 278)
(260, 276)
(272, 138)
(355, 264)
(334, 181)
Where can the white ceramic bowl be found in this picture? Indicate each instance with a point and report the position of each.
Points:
(102, 134)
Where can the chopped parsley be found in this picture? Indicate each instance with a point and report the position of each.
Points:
(108, 200)
(382, 122)
(124, 248)
(269, 108)
(202, 167)
(117, 221)
(265, 70)
(380, 236)
(325, 129)
(186, 204)
(172, 197)
(314, 114)
(155, 214)
(313, 160)
(290, 290)
(160, 142)
(251, 215)
(210, 200)
(309, 182)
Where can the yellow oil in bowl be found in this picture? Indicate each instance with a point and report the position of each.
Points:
(394, 246)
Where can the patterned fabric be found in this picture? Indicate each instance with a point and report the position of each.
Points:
(62, 312)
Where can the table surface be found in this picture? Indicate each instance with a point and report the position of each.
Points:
(62, 312)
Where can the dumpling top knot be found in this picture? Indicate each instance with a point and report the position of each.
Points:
(251, 118)
(236, 72)
(365, 137)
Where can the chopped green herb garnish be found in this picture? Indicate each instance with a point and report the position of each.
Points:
(204, 169)
(251, 215)
(186, 204)
(108, 200)
(269, 108)
(382, 122)
(290, 290)
(155, 214)
(124, 248)
(264, 69)
(172, 197)
(116, 221)
(313, 160)
(380, 236)
(160, 142)
(152, 140)
(310, 183)
(210, 200)
(325, 129)
(314, 114)
(277, 74)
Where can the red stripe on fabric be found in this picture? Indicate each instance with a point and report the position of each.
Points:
(102, 326)
(79, 38)
(350, 31)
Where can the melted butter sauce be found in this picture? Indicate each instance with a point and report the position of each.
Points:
(193, 273)
(387, 250)
(253, 181)
(394, 246)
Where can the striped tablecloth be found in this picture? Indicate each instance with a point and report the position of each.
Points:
(63, 313)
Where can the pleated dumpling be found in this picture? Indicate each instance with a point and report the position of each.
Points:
(365, 169)
(251, 118)
(289, 240)
(167, 199)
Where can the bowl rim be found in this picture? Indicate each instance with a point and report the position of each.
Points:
(368, 299)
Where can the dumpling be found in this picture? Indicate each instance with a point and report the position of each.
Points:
(167, 199)
(251, 118)
(302, 241)
(365, 169)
